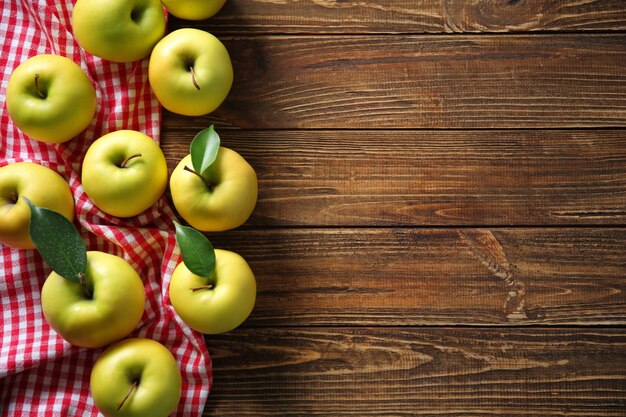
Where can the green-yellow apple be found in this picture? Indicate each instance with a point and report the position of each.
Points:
(223, 198)
(193, 9)
(50, 98)
(190, 72)
(39, 184)
(118, 30)
(218, 303)
(136, 378)
(124, 173)
(107, 309)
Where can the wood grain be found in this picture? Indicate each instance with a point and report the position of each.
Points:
(413, 16)
(426, 372)
(315, 276)
(435, 205)
(438, 82)
(374, 178)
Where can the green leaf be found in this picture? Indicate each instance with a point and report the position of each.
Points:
(203, 149)
(58, 242)
(198, 253)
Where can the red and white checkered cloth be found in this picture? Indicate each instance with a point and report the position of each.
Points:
(40, 374)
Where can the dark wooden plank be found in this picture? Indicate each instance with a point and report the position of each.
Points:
(569, 276)
(426, 372)
(525, 81)
(413, 16)
(373, 178)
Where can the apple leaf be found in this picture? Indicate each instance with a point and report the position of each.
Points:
(58, 242)
(197, 250)
(204, 148)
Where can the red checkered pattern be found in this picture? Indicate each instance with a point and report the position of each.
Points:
(40, 373)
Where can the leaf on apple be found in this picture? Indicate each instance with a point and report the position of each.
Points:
(197, 251)
(58, 242)
(204, 148)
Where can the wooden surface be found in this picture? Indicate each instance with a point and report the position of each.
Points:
(425, 178)
(441, 224)
(416, 16)
(390, 371)
(424, 81)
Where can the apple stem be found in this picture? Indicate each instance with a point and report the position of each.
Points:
(133, 387)
(204, 287)
(14, 197)
(193, 78)
(83, 283)
(125, 161)
(206, 182)
(42, 95)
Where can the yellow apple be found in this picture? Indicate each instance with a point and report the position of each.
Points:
(218, 303)
(111, 310)
(190, 72)
(225, 201)
(193, 9)
(39, 184)
(136, 378)
(118, 30)
(50, 98)
(124, 173)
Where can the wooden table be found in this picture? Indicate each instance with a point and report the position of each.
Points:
(441, 221)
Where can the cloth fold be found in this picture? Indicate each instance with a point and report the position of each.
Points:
(40, 373)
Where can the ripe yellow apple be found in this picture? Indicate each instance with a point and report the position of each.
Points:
(136, 378)
(193, 9)
(50, 98)
(118, 30)
(215, 304)
(190, 72)
(225, 202)
(110, 312)
(124, 173)
(39, 184)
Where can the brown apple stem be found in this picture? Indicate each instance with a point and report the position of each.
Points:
(13, 197)
(42, 95)
(125, 161)
(204, 287)
(193, 78)
(133, 387)
(206, 182)
(83, 283)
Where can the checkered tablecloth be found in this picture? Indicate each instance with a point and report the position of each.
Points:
(40, 374)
